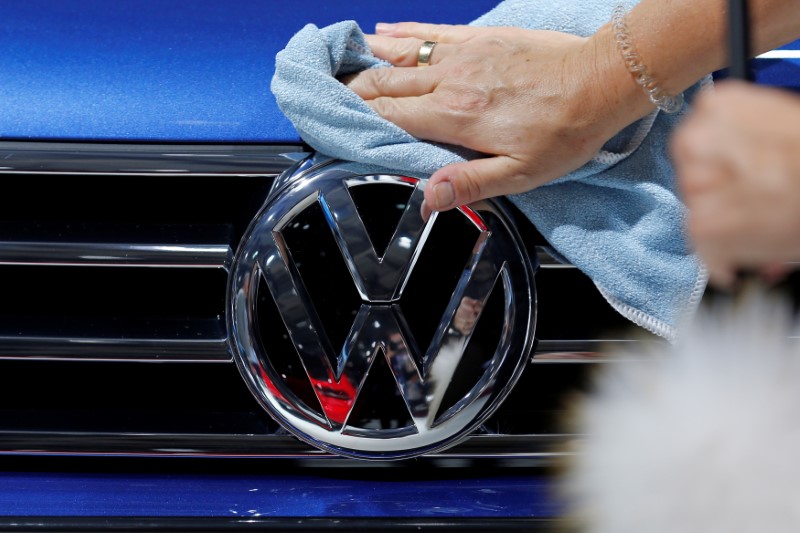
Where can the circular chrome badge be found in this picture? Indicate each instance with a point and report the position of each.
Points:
(369, 332)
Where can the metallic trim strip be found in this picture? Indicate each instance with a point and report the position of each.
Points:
(377, 279)
(116, 254)
(126, 350)
(51, 158)
(97, 158)
(548, 261)
(542, 449)
(581, 350)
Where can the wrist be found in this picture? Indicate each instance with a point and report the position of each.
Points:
(623, 99)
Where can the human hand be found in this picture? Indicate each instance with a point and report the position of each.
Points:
(738, 163)
(539, 103)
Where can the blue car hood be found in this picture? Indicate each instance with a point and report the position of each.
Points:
(175, 71)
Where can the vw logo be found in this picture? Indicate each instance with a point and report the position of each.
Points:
(369, 332)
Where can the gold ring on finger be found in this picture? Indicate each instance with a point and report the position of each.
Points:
(424, 54)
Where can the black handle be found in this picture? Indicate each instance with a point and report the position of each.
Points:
(738, 68)
(739, 40)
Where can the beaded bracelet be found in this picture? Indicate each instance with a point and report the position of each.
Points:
(633, 61)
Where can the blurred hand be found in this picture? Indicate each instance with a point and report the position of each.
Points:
(738, 163)
(533, 101)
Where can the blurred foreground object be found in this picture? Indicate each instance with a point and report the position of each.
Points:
(698, 436)
(738, 163)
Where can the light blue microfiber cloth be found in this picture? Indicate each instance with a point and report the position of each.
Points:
(618, 218)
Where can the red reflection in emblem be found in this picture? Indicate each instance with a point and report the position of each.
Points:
(335, 398)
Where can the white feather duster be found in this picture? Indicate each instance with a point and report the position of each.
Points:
(699, 436)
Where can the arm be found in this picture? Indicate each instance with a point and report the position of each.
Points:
(542, 103)
(683, 40)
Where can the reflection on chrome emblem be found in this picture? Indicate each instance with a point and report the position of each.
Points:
(365, 330)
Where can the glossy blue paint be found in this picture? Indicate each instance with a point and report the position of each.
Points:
(182, 70)
(290, 495)
(794, 45)
(783, 73)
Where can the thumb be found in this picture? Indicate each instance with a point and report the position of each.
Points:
(463, 183)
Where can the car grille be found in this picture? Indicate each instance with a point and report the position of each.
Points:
(114, 263)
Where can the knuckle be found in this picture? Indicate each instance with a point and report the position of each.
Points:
(380, 78)
(500, 44)
(368, 84)
(470, 186)
(405, 51)
(391, 109)
(382, 106)
(384, 82)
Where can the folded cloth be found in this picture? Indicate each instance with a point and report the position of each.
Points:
(618, 218)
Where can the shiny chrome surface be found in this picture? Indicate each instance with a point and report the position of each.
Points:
(115, 254)
(538, 449)
(216, 159)
(379, 336)
(156, 224)
(585, 351)
(546, 260)
(207, 350)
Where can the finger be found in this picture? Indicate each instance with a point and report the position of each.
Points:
(425, 211)
(445, 33)
(462, 183)
(404, 52)
(392, 82)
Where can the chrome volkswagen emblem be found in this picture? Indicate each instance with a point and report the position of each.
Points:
(368, 332)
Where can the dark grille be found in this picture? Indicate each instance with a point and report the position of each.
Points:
(113, 272)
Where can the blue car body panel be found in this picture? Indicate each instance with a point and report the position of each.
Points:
(180, 71)
(272, 495)
(183, 70)
(780, 68)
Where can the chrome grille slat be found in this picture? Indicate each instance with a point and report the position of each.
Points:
(158, 226)
(546, 260)
(115, 254)
(213, 350)
(583, 350)
(88, 158)
(278, 444)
